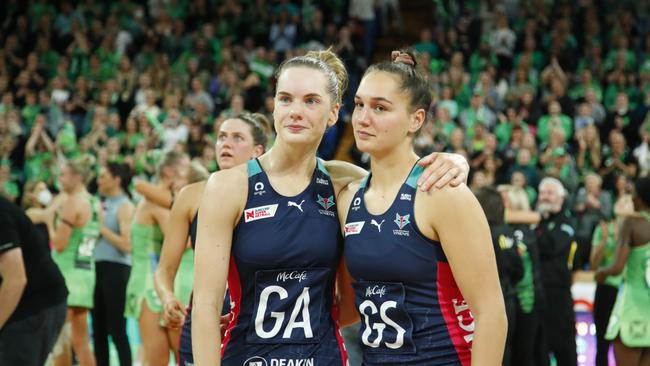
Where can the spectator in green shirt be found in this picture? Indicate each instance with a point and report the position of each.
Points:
(586, 82)
(507, 122)
(554, 119)
(426, 43)
(476, 112)
(563, 168)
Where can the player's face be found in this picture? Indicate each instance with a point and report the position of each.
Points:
(68, 178)
(105, 181)
(235, 144)
(303, 107)
(381, 119)
(178, 174)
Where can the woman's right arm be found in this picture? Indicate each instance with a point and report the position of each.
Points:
(121, 239)
(172, 252)
(522, 217)
(221, 206)
(67, 221)
(156, 194)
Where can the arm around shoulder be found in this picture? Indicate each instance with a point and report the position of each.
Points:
(343, 173)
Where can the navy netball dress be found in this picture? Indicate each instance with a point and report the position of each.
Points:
(412, 312)
(285, 252)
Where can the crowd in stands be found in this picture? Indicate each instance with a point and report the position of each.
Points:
(123, 81)
(524, 89)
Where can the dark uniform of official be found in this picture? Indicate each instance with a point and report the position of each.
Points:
(557, 247)
(528, 343)
(511, 271)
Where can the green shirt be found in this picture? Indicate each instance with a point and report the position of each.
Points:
(11, 190)
(503, 131)
(478, 63)
(526, 286)
(428, 47)
(29, 113)
(609, 252)
(37, 167)
(546, 124)
(579, 90)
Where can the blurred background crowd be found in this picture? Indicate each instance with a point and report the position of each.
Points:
(523, 89)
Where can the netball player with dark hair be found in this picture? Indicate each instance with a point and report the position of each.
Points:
(629, 324)
(113, 264)
(422, 264)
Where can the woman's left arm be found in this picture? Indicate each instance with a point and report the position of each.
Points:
(441, 169)
(465, 238)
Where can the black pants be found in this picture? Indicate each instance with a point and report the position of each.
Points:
(603, 306)
(28, 341)
(526, 338)
(559, 325)
(108, 313)
(511, 313)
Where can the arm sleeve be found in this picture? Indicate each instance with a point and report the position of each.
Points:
(9, 236)
(553, 242)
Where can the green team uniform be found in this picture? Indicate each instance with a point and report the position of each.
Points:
(77, 260)
(184, 281)
(609, 254)
(630, 318)
(526, 286)
(147, 244)
(146, 241)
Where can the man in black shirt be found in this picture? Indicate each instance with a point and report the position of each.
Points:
(32, 289)
(557, 248)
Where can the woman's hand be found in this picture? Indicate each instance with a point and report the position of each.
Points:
(173, 313)
(442, 169)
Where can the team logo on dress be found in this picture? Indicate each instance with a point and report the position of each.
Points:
(322, 181)
(505, 242)
(259, 189)
(353, 228)
(378, 225)
(255, 361)
(405, 197)
(326, 203)
(293, 275)
(401, 222)
(356, 203)
(376, 290)
(465, 318)
(296, 205)
(258, 213)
